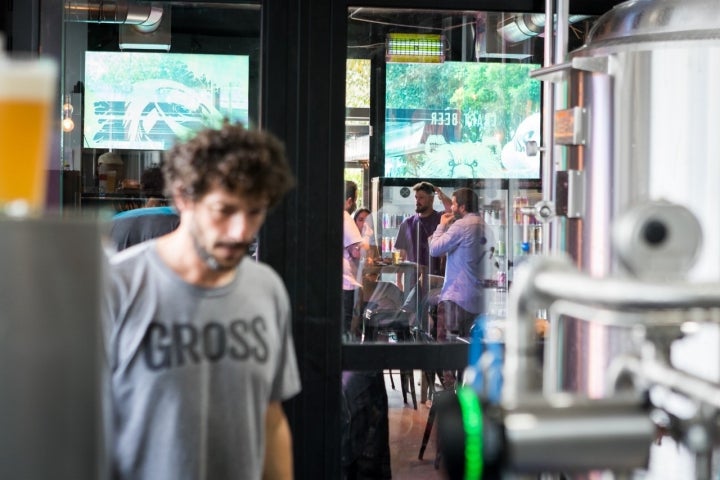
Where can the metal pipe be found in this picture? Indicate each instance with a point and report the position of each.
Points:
(562, 310)
(548, 109)
(562, 24)
(552, 234)
(145, 17)
(543, 281)
(516, 380)
(625, 294)
(666, 376)
(522, 26)
(522, 372)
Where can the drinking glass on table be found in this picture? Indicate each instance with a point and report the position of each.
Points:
(27, 92)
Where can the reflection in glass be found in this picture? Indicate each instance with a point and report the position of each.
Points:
(466, 117)
(134, 98)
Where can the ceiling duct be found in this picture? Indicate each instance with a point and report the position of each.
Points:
(145, 18)
(141, 26)
(489, 43)
(524, 25)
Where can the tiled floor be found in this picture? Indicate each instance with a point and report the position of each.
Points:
(407, 427)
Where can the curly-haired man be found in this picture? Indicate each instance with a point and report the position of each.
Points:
(198, 333)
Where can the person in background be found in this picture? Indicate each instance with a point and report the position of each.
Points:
(367, 278)
(153, 186)
(352, 252)
(365, 442)
(370, 253)
(412, 243)
(363, 222)
(462, 236)
(198, 334)
(414, 231)
(156, 218)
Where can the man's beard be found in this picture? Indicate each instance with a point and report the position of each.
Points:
(209, 259)
(421, 209)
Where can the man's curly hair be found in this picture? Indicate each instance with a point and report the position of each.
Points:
(248, 162)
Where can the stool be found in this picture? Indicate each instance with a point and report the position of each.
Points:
(428, 431)
(406, 378)
(431, 418)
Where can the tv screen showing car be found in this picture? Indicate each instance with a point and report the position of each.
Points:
(462, 120)
(150, 100)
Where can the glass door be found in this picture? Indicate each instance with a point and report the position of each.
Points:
(442, 97)
(445, 98)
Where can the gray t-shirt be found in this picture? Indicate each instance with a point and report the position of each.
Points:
(193, 369)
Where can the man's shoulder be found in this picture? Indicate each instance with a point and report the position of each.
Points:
(351, 233)
(431, 219)
(474, 219)
(131, 255)
(262, 280)
(409, 221)
(259, 270)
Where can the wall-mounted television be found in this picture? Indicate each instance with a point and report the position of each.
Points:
(461, 120)
(149, 100)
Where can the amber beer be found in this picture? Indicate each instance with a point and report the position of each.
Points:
(27, 90)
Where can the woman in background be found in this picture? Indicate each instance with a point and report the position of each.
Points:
(365, 226)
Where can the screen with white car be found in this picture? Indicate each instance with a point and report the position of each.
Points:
(149, 100)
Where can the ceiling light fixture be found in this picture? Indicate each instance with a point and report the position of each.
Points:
(67, 122)
(415, 48)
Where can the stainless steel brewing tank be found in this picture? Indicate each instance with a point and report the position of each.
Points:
(653, 121)
(646, 80)
(646, 84)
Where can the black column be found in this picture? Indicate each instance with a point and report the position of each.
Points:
(23, 24)
(303, 83)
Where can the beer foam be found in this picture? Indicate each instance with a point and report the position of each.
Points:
(28, 79)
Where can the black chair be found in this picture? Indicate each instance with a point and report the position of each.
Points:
(383, 313)
(385, 317)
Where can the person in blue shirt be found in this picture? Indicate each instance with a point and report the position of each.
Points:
(462, 236)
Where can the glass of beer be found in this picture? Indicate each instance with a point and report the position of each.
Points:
(27, 92)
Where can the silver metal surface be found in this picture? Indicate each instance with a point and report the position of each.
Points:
(657, 240)
(526, 25)
(656, 373)
(146, 16)
(544, 281)
(589, 435)
(50, 351)
(650, 132)
(658, 20)
(654, 138)
(548, 105)
(647, 80)
(576, 194)
(621, 293)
